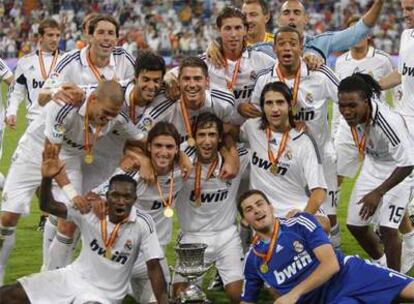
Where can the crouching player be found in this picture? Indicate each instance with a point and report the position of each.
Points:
(110, 247)
(296, 258)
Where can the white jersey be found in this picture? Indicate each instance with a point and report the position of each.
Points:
(251, 64)
(218, 210)
(406, 69)
(136, 236)
(4, 74)
(299, 167)
(388, 144)
(29, 81)
(149, 200)
(316, 88)
(163, 109)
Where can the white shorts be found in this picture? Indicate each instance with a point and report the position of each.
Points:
(329, 170)
(389, 212)
(140, 282)
(24, 177)
(62, 286)
(224, 249)
(346, 151)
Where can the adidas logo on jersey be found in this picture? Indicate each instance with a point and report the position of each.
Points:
(244, 93)
(117, 257)
(213, 197)
(300, 261)
(37, 84)
(407, 70)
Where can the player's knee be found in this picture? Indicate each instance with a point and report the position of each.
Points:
(9, 219)
(234, 290)
(13, 294)
(356, 230)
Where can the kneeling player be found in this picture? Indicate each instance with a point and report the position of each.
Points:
(295, 257)
(110, 246)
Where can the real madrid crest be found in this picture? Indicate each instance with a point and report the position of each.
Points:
(297, 246)
(309, 98)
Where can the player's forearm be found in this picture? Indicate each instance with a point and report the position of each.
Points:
(371, 17)
(396, 177)
(47, 202)
(45, 95)
(157, 279)
(390, 81)
(316, 199)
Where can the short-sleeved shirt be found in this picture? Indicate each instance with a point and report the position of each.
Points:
(406, 69)
(4, 74)
(299, 167)
(136, 236)
(315, 90)
(292, 261)
(218, 210)
(164, 109)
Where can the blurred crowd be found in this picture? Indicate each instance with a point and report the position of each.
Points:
(173, 28)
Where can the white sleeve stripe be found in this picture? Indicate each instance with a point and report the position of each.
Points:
(388, 131)
(301, 220)
(161, 108)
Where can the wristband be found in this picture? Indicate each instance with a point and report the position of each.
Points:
(70, 191)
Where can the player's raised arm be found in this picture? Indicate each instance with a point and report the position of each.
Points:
(51, 166)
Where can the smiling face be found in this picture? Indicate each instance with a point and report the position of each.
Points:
(353, 107)
(148, 84)
(288, 48)
(257, 212)
(104, 39)
(256, 19)
(276, 110)
(207, 140)
(163, 151)
(193, 85)
(120, 197)
(407, 7)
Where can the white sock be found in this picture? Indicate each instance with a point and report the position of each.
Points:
(49, 234)
(59, 252)
(335, 236)
(7, 238)
(408, 239)
(381, 261)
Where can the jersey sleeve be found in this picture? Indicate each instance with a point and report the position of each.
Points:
(75, 216)
(17, 92)
(331, 83)
(126, 128)
(257, 91)
(252, 283)
(226, 103)
(308, 227)
(4, 70)
(58, 119)
(312, 163)
(150, 246)
(326, 43)
(154, 114)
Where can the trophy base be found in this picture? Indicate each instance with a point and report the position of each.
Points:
(192, 294)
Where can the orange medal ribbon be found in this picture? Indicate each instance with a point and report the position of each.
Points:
(108, 243)
(42, 64)
(282, 146)
(88, 145)
(132, 114)
(296, 84)
(360, 144)
(197, 182)
(168, 211)
(187, 123)
(230, 85)
(93, 68)
(267, 256)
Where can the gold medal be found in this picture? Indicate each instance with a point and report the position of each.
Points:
(191, 142)
(168, 212)
(88, 159)
(264, 268)
(273, 169)
(108, 253)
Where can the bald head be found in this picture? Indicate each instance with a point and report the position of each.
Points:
(292, 13)
(111, 91)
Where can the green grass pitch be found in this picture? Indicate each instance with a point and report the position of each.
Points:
(26, 256)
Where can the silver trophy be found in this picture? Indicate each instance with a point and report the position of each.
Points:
(190, 264)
